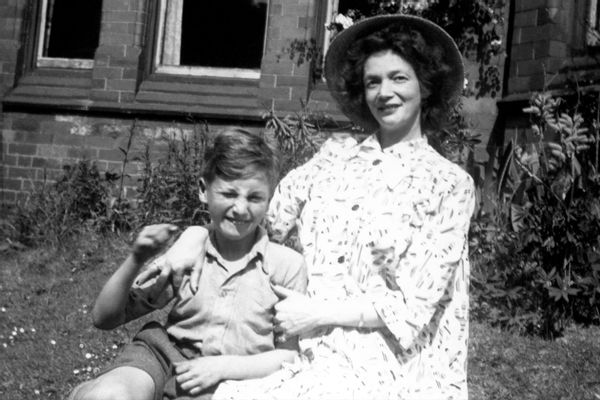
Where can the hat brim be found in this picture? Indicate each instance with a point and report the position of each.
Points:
(432, 33)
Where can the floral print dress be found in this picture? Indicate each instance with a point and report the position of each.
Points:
(390, 225)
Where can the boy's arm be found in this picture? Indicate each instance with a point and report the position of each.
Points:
(203, 372)
(109, 309)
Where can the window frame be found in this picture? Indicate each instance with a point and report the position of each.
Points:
(53, 62)
(200, 71)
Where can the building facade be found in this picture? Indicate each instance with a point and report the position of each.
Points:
(79, 79)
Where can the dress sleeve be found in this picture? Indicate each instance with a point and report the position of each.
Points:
(423, 279)
(141, 300)
(294, 189)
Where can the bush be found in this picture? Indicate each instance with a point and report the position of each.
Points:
(541, 270)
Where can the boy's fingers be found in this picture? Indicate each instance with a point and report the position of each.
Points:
(282, 292)
(196, 270)
(163, 278)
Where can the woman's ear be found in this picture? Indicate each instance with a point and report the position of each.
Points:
(202, 191)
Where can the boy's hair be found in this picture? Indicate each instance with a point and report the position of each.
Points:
(235, 153)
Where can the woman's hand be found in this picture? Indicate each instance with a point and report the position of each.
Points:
(200, 373)
(295, 313)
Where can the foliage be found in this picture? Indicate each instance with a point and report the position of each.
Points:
(475, 25)
(543, 268)
(56, 211)
(169, 188)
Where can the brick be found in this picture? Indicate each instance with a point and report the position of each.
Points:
(51, 128)
(8, 135)
(110, 155)
(24, 161)
(111, 50)
(119, 16)
(130, 73)
(276, 10)
(26, 124)
(68, 139)
(82, 152)
(528, 68)
(12, 184)
(98, 141)
(526, 18)
(284, 93)
(290, 80)
(7, 196)
(42, 162)
(10, 159)
(119, 27)
(121, 84)
(116, 5)
(105, 95)
(523, 5)
(108, 72)
(522, 52)
(47, 174)
(22, 148)
(45, 150)
(126, 97)
(557, 49)
(519, 84)
(99, 83)
(117, 38)
(24, 173)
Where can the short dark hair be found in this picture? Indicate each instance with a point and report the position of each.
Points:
(426, 59)
(235, 153)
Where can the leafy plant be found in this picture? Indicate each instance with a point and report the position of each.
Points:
(549, 222)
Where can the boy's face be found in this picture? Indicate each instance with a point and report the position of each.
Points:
(236, 208)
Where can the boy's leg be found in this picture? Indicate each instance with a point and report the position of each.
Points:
(120, 383)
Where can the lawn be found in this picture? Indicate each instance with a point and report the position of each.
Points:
(48, 344)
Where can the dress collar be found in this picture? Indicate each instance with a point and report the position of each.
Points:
(401, 149)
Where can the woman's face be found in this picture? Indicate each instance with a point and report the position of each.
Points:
(393, 95)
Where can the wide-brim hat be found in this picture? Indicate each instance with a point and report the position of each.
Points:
(336, 58)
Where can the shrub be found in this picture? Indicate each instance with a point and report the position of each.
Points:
(543, 271)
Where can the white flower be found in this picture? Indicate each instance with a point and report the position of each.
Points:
(3, 309)
(53, 342)
(343, 20)
(75, 371)
(32, 330)
(22, 330)
(496, 43)
(466, 84)
(4, 345)
(114, 346)
(88, 356)
(37, 392)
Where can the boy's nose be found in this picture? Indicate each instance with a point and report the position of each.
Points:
(240, 207)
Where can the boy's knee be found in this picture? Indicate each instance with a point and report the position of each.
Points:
(98, 390)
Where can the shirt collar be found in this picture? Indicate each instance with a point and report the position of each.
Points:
(258, 248)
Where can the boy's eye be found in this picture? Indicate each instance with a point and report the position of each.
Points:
(229, 195)
(256, 199)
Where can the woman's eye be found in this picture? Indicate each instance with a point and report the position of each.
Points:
(370, 84)
(400, 78)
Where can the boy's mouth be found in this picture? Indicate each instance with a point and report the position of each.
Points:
(236, 221)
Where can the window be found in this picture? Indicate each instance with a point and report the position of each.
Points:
(211, 38)
(69, 33)
(593, 25)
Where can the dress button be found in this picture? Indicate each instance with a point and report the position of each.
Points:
(377, 162)
(223, 293)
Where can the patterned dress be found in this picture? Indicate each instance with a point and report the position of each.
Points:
(390, 225)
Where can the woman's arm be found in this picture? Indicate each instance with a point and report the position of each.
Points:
(202, 372)
(109, 309)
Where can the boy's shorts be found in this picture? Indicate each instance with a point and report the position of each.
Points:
(152, 351)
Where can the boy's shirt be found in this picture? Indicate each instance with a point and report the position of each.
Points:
(232, 310)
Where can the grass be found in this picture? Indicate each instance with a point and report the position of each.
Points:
(48, 344)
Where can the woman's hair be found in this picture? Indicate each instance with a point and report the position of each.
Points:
(237, 154)
(426, 59)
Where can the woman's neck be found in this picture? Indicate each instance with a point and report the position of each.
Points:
(389, 138)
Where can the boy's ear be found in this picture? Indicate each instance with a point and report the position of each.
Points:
(202, 191)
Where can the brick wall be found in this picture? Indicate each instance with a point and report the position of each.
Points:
(36, 147)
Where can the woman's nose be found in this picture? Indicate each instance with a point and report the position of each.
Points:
(385, 89)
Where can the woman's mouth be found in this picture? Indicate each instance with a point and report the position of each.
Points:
(388, 108)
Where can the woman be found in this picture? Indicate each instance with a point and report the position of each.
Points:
(383, 225)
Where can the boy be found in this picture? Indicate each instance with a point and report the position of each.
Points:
(224, 329)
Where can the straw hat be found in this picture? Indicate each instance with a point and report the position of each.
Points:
(336, 57)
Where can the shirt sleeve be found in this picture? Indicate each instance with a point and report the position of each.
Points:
(294, 189)
(423, 279)
(143, 298)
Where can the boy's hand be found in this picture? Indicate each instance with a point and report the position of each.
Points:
(151, 240)
(187, 254)
(200, 373)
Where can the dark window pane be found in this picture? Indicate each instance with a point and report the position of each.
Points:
(223, 34)
(74, 28)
